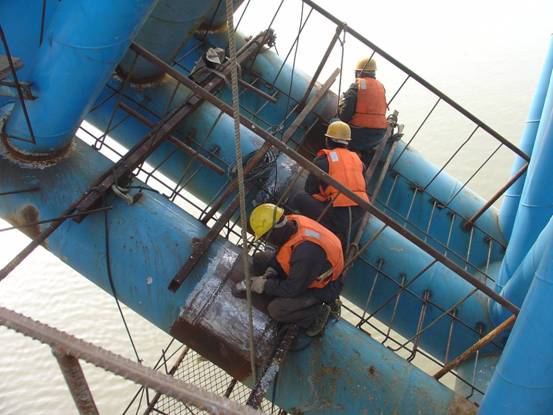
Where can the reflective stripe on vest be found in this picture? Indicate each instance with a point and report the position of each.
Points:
(309, 230)
(346, 167)
(370, 109)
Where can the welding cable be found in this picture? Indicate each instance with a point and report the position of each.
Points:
(112, 285)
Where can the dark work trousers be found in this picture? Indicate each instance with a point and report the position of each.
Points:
(302, 309)
(364, 141)
(336, 219)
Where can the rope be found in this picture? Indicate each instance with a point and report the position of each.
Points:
(240, 176)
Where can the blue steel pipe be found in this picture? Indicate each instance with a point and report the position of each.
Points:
(516, 288)
(343, 372)
(169, 26)
(536, 205)
(523, 380)
(510, 204)
(84, 42)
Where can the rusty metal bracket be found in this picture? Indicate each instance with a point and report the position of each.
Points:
(25, 88)
(5, 68)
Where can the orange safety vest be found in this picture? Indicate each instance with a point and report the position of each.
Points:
(346, 167)
(309, 230)
(370, 110)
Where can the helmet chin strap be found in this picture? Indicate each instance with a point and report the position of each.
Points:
(281, 223)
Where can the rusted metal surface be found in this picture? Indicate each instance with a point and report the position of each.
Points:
(215, 323)
(475, 347)
(76, 382)
(182, 391)
(303, 162)
(496, 196)
(270, 373)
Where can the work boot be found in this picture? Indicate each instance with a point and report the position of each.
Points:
(336, 309)
(318, 326)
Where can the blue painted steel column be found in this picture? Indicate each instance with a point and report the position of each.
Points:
(536, 205)
(516, 288)
(169, 26)
(511, 202)
(523, 380)
(343, 372)
(84, 42)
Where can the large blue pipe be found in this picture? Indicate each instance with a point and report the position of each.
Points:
(523, 380)
(516, 288)
(170, 25)
(343, 372)
(536, 205)
(83, 44)
(511, 201)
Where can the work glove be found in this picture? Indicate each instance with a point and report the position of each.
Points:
(258, 284)
(270, 273)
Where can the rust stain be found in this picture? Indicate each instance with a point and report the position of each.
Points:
(461, 406)
(24, 216)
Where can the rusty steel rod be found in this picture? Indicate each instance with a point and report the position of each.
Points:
(63, 217)
(76, 382)
(17, 86)
(496, 196)
(326, 178)
(475, 347)
(272, 369)
(119, 365)
(183, 146)
(419, 79)
(14, 192)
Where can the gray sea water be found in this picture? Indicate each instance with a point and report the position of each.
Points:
(485, 55)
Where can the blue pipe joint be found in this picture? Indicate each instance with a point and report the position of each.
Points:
(169, 26)
(536, 204)
(523, 380)
(509, 208)
(84, 42)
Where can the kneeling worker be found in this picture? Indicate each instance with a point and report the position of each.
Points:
(344, 215)
(303, 274)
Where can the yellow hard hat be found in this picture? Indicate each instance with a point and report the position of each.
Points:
(366, 64)
(264, 217)
(338, 130)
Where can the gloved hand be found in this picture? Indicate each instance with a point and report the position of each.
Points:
(270, 273)
(258, 284)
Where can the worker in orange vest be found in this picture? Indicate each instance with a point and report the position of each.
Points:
(303, 274)
(363, 106)
(343, 215)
